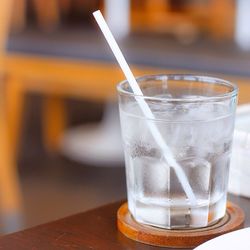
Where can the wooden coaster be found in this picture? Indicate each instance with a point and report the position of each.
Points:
(234, 219)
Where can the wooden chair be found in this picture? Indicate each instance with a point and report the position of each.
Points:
(46, 12)
(215, 17)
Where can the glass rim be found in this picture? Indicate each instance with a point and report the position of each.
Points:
(182, 77)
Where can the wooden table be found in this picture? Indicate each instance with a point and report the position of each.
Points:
(94, 229)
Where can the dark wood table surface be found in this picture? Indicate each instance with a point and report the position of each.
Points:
(94, 229)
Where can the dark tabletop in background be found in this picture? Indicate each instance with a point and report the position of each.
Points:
(161, 51)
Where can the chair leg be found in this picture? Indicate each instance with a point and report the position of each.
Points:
(47, 13)
(54, 122)
(14, 106)
(18, 17)
(10, 195)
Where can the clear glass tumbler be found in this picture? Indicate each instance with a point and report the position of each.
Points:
(195, 117)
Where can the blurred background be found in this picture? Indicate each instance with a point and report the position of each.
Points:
(59, 124)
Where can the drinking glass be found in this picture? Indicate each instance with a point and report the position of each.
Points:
(195, 117)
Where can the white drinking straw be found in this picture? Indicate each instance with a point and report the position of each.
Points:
(168, 156)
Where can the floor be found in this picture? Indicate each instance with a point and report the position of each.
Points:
(53, 186)
(56, 188)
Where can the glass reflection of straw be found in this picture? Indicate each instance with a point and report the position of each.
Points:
(168, 156)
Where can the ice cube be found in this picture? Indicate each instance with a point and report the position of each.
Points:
(153, 215)
(220, 174)
(152, 176)
(198, 171)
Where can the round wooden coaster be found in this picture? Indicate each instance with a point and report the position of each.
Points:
(234, 219)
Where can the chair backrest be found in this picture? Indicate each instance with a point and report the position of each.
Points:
(5, 19)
